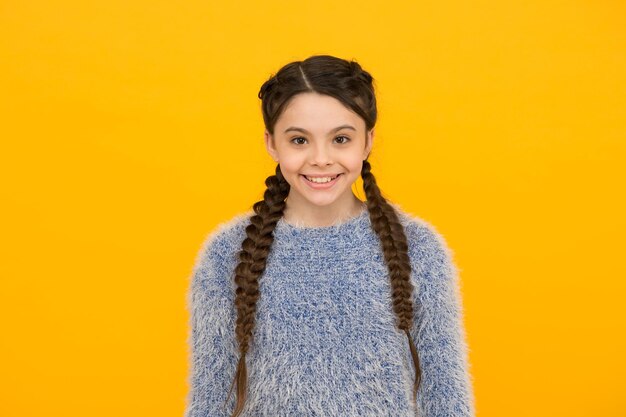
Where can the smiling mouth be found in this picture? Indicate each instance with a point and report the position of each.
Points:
(321, 180)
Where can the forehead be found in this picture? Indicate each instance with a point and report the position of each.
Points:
(313, 110)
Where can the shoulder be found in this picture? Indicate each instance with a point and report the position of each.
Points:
(221, 243)
(420, 231)
(427, 246)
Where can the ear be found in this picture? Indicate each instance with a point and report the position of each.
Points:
(369, 143)
(269, 145)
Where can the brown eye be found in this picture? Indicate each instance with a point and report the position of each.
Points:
(347, 139)
(292, 140)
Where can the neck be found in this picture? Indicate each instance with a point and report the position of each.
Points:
(315, 216)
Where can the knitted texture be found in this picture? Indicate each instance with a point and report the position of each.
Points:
(325, 342)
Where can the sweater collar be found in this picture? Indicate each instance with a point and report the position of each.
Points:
(360, 220)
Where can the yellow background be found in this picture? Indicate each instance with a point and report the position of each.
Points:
(131, 128)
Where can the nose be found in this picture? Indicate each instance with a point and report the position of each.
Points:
(321, 155)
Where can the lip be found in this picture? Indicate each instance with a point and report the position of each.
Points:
(316, 186)
(322, 175)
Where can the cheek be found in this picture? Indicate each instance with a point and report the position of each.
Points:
(290, 166)
(355, 165)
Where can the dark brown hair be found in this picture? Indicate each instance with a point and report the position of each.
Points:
(353, 86)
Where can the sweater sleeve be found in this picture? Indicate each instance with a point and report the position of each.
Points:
(438, 331)
(211, 337)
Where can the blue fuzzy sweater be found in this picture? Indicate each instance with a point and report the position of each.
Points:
(325, 341)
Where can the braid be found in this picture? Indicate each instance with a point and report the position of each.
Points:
(252, 262)
(387, 226)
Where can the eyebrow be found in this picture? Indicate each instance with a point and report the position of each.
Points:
(338, 128)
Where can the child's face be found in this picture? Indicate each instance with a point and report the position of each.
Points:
(309, 139)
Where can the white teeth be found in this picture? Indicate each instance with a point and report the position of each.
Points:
(321, 180)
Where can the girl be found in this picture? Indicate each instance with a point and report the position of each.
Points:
(315, 303)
